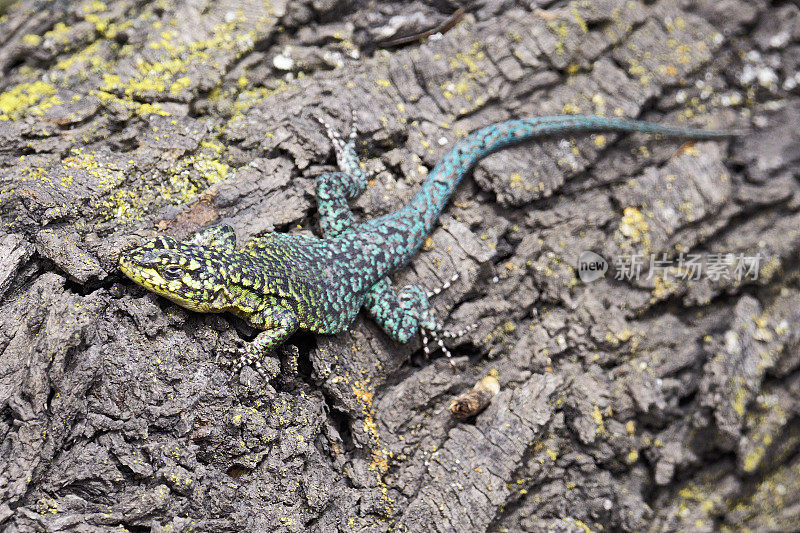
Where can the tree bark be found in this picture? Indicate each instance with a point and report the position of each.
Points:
(660, 403)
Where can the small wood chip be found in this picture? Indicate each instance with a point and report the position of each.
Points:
(476, 400)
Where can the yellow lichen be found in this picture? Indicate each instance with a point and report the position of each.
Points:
(32, 39)
(740, 398)
(27, 99)
(597, 416)
(634, 226)
(753, 459)
(180, 56)
(141, 109)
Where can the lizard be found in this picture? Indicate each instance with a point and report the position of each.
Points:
(280, 283)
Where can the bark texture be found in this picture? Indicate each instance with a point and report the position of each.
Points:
(654, 404)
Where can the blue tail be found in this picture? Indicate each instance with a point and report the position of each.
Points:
(415, 221)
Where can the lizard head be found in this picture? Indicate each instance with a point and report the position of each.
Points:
(188, 274)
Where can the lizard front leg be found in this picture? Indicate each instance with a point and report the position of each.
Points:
(278, 324)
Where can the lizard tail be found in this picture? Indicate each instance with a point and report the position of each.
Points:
(420, 215)
(447, 174)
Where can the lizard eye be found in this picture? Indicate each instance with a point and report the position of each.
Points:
(173, 272)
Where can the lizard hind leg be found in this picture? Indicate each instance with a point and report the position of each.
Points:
(334, 189)
(438, 335)
(408, 312)
(346, 157)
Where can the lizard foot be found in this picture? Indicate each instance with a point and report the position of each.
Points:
(445, 286)
(413, 298)
(240, 357)
(437, 334)
(339, 143)
(345, 148)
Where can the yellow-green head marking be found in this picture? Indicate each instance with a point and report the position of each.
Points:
(188, 274)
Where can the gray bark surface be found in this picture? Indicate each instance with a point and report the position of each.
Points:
(656, 404)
